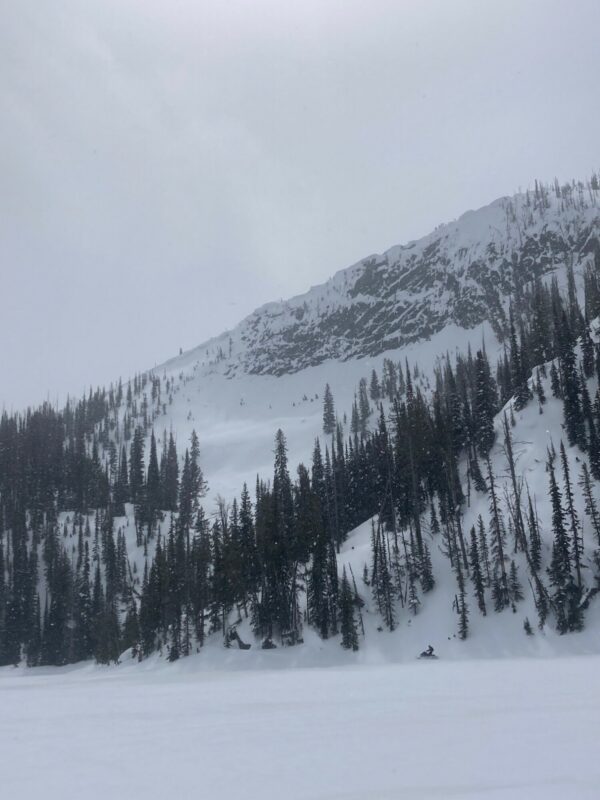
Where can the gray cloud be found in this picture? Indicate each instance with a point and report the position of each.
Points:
(166, 167)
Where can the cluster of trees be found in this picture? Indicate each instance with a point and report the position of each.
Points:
(68, 590)
(72, 482)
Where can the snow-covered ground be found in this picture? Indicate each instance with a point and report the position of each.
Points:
(236, 418)
(237, 442)
(519, 729)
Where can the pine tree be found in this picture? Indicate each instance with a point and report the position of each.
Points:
(535, 541)
(136, 466)
(461, 604)
(318, 605)
(121, 490)
(576, 545)
(198, 484)
(518, 373)
(591, 508)
(514, 586)
(485, 405)
(153, 493)
(484, 557)
(171, 476)
(328, 412)
(555, 383)
(588, 354)
(571, 389)
(355, 427)
(413, 601)
(364, 408)
(500, 590)
(475, 473)
(347, 619)
(381, 578)
(560, 565)
(539, 389)
(374, 388)
(476, 573)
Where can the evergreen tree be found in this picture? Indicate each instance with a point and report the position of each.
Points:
(560, 565)
(518, 372)
(485, 405)
(171, 476)
(364, 407)
(591, 508)
(514, 586)
(198, 484)
(476, 572)
(571, 389)
(374, 388)
(347, 618)
(500, 589)
(484, 558)
(153, 495)
(461, 604)
(136, 466)
(328, 412)
(381, 578)
(555, 383)
(539, 389)
(535, 541)
(576, 544)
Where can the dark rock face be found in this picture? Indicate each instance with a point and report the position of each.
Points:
(463, 274)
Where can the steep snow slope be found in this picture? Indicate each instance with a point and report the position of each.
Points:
(463, 273)
(236, 411)
(436, 621)
(236, 417)
(417, 302)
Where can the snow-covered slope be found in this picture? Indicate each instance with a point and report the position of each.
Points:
(222, 392)
(236, 416)
(435, 621)
(463, 273)
(418, 301)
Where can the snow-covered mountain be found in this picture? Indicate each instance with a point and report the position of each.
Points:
(418, 301)
(461, 274)
(416, 308)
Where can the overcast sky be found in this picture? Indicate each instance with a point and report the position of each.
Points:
(166, 167)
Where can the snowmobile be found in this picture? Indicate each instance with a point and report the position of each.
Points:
(429, 654)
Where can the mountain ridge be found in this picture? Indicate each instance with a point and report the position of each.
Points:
(463, 272)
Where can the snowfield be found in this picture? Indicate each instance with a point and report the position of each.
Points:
(236, 418)
(518, 728)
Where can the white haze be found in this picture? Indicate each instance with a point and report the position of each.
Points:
(167, 167)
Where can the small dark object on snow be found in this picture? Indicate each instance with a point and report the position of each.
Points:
(234, 636)
(291, 638)
(268, 644)
(428, 653)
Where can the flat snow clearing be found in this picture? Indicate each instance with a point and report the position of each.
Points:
(512, 728)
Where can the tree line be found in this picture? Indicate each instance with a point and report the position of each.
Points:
(410, 460)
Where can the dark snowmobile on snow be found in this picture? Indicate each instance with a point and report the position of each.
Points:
(428, 653)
